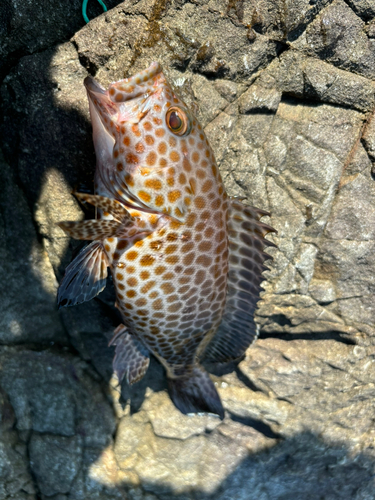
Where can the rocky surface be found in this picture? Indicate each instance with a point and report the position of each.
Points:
(286, 93)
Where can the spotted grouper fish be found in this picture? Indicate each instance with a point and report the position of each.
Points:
(186, 260)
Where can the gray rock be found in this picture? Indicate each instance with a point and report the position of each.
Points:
(28, 27)
(286, 94)
(304, 468)
(259, 99)
(27, 282)
(308, 78)
(15, 477)
(368, 139)
(56, 475)
(274, 18)
(51, 393)
(363, 8)
(338, 36)
(60, 414)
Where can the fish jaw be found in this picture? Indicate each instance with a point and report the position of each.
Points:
(103, 141)
(120, 103)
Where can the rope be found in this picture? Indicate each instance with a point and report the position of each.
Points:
(84, 7)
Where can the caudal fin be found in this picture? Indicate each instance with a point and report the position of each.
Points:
(195, 393)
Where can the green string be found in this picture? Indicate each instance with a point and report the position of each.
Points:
(84, 7)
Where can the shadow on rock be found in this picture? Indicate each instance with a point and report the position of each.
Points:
(301, 467)
(66, 433)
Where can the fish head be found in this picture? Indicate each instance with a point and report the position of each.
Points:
(151, 151)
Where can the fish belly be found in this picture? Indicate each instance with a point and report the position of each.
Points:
(171, 286)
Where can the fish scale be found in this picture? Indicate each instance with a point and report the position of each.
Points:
(186, 260)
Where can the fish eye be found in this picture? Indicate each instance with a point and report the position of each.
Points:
(177, 121)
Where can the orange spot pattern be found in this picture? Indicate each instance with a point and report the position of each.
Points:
(182, 266)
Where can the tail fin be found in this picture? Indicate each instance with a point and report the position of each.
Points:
(195, 393)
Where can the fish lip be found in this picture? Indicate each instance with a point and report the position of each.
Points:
(142, 84)
(139, 79)
(142, 76)
(92, 86)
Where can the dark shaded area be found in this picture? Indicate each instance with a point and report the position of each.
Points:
(309, 468)
(36, 135)
(332, 335)
(302, 467)
(258, 425)
(281, 320)
(364, 9)
(32, 26)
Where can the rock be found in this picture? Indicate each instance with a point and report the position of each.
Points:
(363, 8)
(369, 138)
(229, 90)
(299, 468)
(274, 18)
(57, 476)
(29, 27)
(338, 36)
(60, 416)
(257, 99)
(27, 282)
(286, 94)
(16, 480)
(305, 77)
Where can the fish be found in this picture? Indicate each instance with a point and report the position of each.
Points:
(185, 258)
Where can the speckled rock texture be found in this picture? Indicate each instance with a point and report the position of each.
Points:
(286, 93)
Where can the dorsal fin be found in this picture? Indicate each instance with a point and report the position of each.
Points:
(247, 242)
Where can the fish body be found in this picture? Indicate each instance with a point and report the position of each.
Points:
(186, 260)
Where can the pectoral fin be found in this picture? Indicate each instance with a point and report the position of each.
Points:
(131, 357)
(85, 277)
(247, 242)
(122, 224)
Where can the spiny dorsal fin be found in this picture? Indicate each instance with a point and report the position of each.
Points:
(237, 329)
(131, 357)
(85, 277)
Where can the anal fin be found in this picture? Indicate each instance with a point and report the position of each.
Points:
(85, 277)
(131, 357)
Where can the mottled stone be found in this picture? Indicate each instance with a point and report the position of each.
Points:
(55, 461)
(286, 94)
(298, 75)
(259, 99)
(337, 35)
(15, 477)
(27, 282)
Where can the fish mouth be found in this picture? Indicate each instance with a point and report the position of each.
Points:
(126, 100)
(136, 84)
(120, 103)
(92, 86)
(127, 89)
